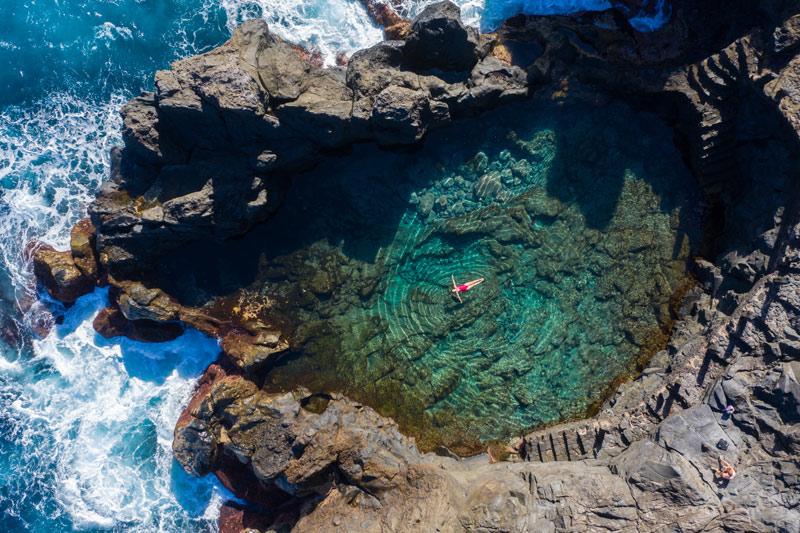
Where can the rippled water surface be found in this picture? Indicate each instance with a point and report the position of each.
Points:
(85, 424)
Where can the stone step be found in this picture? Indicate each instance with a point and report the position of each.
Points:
(716, 113)
(729, 60)
(714, 151)
(711, 81)
(712, 169)
(722, 127)
(717, 153)
(704, 95)
(712, 180)
(715, 64)
(747, 60)
(572, 443)
(713, 137)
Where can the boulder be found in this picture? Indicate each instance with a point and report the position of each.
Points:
(439, 39)
(60, 276)
(400, 116)
(140, 129)
(250, 351)
(137, 302)
(371, 70)
(322, 112)
(665, 484)
(494, 81)
(83, 242)
(110, 323)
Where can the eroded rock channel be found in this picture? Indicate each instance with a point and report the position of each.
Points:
(312, 219)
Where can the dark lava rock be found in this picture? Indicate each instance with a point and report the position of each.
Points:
(440, 40)
(400, 115)
(110, 323)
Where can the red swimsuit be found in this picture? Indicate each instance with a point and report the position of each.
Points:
(463, 288)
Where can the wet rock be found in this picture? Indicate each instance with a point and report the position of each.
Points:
(137, 302)
(82, 247)
(196, 450)
(492, 80)
(440, 40)
(59, 274)
(234, 518)
(394, 26)
(488, 186)
(251, 350)
(426, 202)
(110, 323)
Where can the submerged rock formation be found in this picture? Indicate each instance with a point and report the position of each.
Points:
(212, 153)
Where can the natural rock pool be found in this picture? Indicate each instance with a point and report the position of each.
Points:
(579, 218)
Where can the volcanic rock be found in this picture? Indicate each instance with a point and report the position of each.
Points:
(440, 40)
(60, 275)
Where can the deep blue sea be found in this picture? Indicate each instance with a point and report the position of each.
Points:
(86, 424)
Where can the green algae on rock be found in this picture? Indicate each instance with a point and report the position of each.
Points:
(578, 217)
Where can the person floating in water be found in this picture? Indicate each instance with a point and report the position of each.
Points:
(464, 287)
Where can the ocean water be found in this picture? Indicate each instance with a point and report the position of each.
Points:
(85, 424)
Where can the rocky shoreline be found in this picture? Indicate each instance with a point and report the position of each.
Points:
(211, 153)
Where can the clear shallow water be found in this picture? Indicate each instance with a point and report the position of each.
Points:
(85, 425)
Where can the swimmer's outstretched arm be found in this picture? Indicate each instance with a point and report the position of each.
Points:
(455, 289)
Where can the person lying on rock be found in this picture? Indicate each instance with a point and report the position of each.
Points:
(725, 471)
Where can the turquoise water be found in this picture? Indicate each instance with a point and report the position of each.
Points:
(85, 425)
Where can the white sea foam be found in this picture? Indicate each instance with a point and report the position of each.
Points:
(109, 409)
(54, 156)
(489, 14)
(649, 22)
(112, 32)
(331, 26)
(77, 402)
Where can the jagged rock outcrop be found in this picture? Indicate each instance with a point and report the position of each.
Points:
(438, 39)
(208, 154)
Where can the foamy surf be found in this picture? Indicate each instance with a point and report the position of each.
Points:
(55, 154)
(330, 27)
(106, 410)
